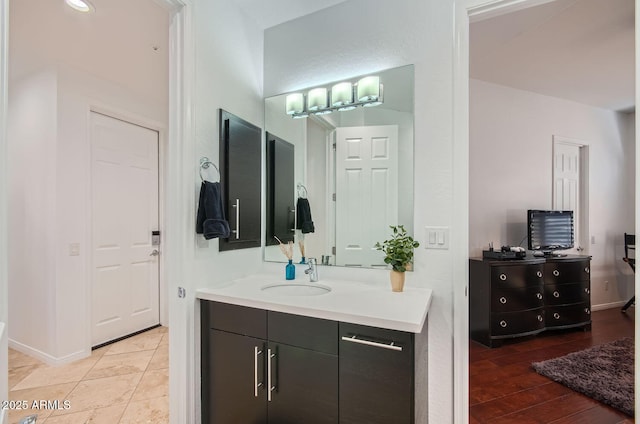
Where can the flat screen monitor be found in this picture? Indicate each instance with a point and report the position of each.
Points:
(550, 230)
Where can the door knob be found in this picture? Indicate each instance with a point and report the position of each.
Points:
(154, 253)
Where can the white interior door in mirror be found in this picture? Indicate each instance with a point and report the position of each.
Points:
(124, 210)
(567, 185)
(366, 192)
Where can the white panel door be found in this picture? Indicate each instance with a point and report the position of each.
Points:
(366, 192)
(566, 182)
(124, 211)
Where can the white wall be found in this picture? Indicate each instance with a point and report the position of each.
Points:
(49, 176)
(511, 166)
(4, 304)
(376, 35)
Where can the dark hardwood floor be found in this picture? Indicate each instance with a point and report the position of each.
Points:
(503, 388)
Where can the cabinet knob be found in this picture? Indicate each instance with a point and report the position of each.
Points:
(586, 290)
(586, 269)
(539, 296)
(503, 277)
(587, 311)
(539, 274)
(540, 318)
(556, 315)
(503, 324)
(556, 272)
(503, 300)
(556, 294)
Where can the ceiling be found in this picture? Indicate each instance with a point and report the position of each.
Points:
(580, 50)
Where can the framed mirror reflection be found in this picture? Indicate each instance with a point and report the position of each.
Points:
(339, 168)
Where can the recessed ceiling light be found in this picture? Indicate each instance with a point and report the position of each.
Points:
(80, 5)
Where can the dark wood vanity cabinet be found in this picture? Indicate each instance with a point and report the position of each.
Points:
(240, 178)
(515, 298)
(319, 371)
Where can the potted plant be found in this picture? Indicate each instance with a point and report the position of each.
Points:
(398, 252)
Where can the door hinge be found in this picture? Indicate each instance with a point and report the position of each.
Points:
(333, 197)
(333, 250)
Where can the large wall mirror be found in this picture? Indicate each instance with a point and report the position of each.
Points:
(350, 170)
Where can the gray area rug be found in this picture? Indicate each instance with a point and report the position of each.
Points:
(604, 373)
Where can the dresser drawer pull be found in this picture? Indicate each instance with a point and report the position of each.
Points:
(503, 277)
(556, 272)
(556, 294)
(587, 311)
(586, 290)
(540, 318)
(539, 274)
(556, 315)
(586, 269)
(390, 346)
(503, 300)
(503, 324)
(539, 296)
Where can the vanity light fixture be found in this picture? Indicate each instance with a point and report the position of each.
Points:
(80, 5)
(368, 91)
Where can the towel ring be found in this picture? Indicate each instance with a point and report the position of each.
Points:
(204, 164)
(304, 190)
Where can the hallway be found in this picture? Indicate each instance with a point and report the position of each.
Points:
(125, 382)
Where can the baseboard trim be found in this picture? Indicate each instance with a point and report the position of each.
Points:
(611, 305)
(45, 357)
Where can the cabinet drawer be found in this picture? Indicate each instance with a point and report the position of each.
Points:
(566, 316)
(512, 323)
(234, 318)
(510, 299)
(310, 333)
(566, 272)
(564, 294)
(516, 275)
(376, 380)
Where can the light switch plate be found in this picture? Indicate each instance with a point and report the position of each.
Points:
(436, 237)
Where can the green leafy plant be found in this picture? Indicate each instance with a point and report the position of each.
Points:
(398, 249)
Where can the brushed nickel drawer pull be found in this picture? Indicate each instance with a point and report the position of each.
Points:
(586, 269)
(556, 294)
(256, 384)
(503, 324)
(503, 300)
(539, 296)
(503, 277)
(556, 272)
(271, 387)
(556, 315)
(588, 311)
(586, 290)
(539, 274)
(540, 318)
(390, 346)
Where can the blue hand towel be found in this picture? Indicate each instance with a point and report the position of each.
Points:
(303, 216)
(211, 221)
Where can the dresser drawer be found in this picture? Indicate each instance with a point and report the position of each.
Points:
(234, 318)
(565, 294)
(516, 275)
(566, 272)
(567, 316)
(511, 299)
(316, 334)
(514, 323)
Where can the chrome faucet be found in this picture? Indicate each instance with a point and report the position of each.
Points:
(312, 271)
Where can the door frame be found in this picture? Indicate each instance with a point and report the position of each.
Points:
(152, 125)
(465, 12)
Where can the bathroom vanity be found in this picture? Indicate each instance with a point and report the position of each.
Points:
(332, 352)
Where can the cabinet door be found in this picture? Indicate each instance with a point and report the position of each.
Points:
(376, 376)
(304, 386)
(233, 387)
(241, 170)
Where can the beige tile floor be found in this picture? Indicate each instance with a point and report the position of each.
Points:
(126, 382)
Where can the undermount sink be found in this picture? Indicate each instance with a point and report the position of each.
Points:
(297, 289)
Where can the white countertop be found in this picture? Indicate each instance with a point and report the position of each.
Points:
(372, 304)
